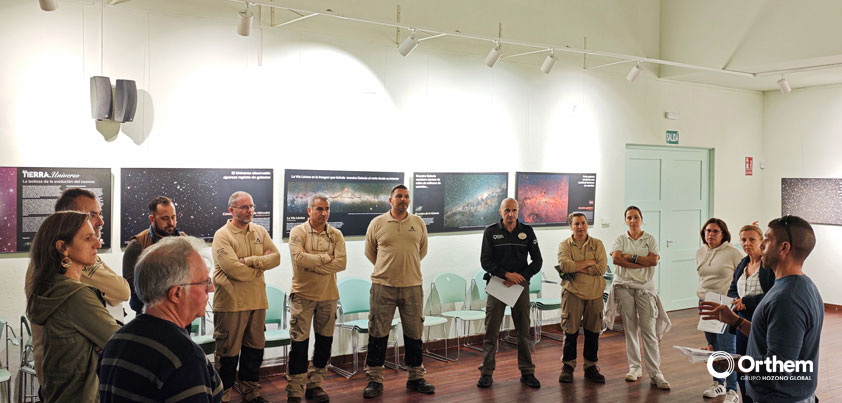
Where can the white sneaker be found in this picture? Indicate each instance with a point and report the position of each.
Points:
(660, 382)
(717, 389)
(732, 397)
(634, 374)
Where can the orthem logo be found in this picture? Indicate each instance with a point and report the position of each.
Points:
(720, 355)
(411, 228)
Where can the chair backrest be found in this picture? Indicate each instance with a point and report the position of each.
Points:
(354, 294)
(450, 288)
(4, 327)
(535, 283)
(195, 326)
(480, 284)
(277, 305)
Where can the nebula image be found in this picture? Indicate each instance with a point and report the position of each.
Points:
(345, 197)
(200, 197)
(473, 200)
(8, 210)
(543, 198)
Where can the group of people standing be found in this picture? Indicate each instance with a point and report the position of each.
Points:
(168, 282)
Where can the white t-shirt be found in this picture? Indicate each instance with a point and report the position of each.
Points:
(642, 246)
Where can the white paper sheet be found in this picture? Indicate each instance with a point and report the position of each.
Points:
(508, 295)
(695, 355)
(715, 326)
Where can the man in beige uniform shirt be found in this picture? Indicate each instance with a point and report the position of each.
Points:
(114, 287)
(318, 253)
(395, 243)
(581, 298)
(242, 251)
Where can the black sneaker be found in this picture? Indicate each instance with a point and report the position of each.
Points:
(295, 399)
(373, 389)
(485, 381)
(258, 399)
(592, 374)
(530, 380)
(317, 395)
(421, 385)
(566, 374)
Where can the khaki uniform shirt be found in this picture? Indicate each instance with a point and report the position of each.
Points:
(396, 249)
(241, 286)
(590, 285)
(313, 272)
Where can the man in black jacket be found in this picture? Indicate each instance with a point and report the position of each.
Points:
(505, 247)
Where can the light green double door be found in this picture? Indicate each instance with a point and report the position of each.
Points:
(672, 187)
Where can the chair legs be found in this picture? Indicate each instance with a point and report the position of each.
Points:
(445, 357)
(355, 349)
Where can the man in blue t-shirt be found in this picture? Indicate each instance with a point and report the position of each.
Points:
(786, 327)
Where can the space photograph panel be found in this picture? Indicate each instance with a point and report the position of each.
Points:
(355, 197)
(29, 196)
(200, 196)
(458, 201)
(546, 199)
(817, 200)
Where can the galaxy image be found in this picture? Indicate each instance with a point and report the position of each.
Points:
(543, 197)
(345, 197)
(473, 200)
(8, 210)
(200, 197)
(817, 200)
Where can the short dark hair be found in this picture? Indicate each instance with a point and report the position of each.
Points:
(67, 200)
(726, 236)
(633, 208)
(798, 232)
(574, 215)
(392, 193)
(160, 200)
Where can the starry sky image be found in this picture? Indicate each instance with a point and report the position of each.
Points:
(473, 200)
(200, 197)
(817, 200)
(8, 209)
(355, 197)
(542, 197)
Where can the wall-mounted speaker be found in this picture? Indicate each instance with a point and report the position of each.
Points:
(125, 100)
(100, 98)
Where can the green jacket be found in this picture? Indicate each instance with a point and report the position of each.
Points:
(75, 323)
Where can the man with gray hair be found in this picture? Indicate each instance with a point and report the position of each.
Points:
(242, 251)
(506, 246)
(318, 253)
(152, 358)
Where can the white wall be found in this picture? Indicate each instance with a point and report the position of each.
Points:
(321, 102)
(801, 140)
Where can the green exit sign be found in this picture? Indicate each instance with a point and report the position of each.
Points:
(672, 136)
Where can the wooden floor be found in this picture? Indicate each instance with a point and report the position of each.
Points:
(456, 381)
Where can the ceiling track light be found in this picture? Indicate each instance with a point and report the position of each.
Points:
(634, 72)
(549, 62)
(408, 45)
(494, 55)
(784, 86)
(246, 17)
(48, 5)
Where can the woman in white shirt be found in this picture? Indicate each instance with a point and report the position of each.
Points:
(716, 261)
(635, 253)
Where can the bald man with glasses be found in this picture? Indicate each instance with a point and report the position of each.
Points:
(242, 251)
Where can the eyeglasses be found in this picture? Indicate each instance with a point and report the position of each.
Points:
(207, 283)
(785, 222)
(246, 207)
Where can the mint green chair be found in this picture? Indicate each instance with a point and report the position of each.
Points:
(5, 374)
(478, 302)
(540, 304)
(450, 288)
(430, 321)
(26, 372)
(205, 341)
(354, 298)
(276, 314)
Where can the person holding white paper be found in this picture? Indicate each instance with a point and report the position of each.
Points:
(716, 261)
(635, 253)
(505, 247)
